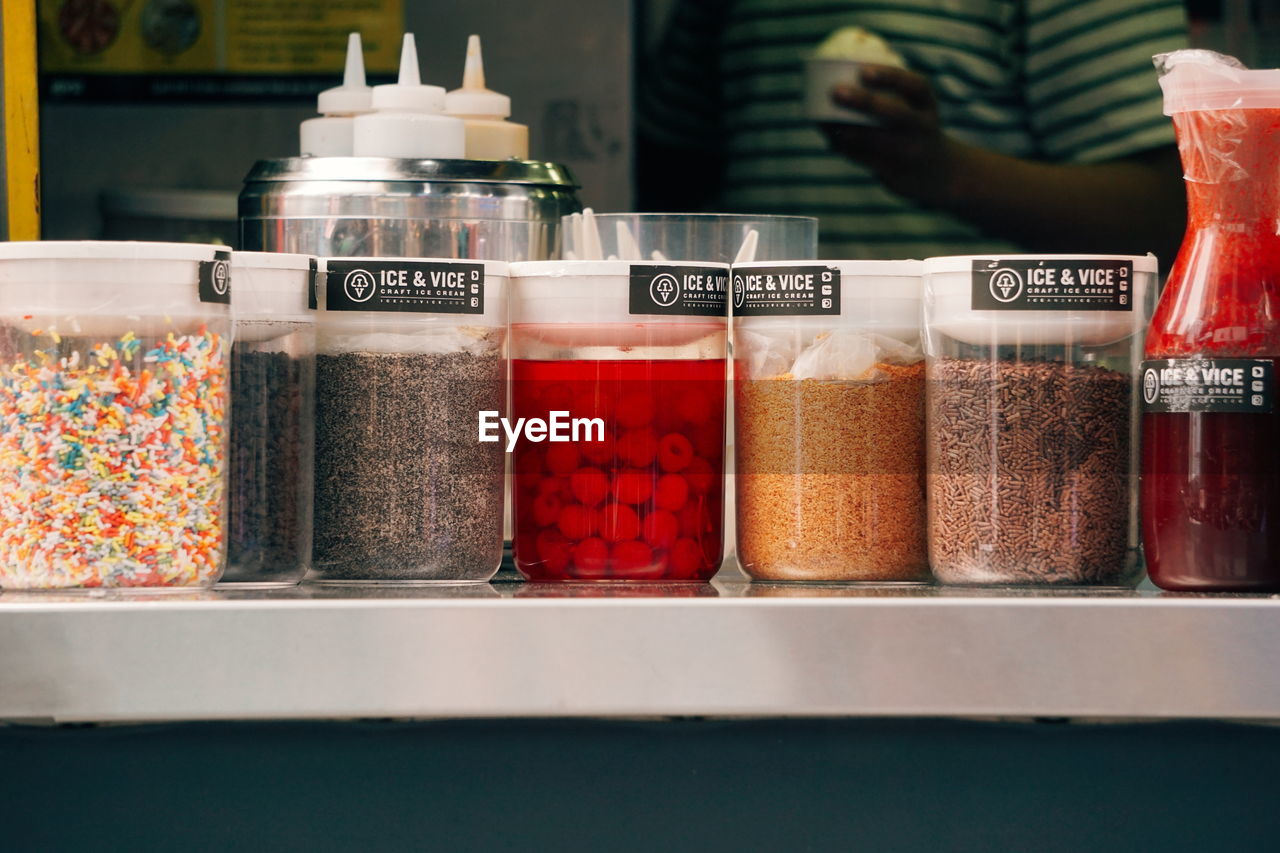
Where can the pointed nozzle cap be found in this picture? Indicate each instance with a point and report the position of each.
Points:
(409, 95)
(353, 96)
(473, 99)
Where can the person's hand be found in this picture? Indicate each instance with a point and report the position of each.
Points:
(907, 149)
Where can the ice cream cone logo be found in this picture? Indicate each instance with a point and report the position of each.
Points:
(1005, 285)
(221, 277)
(359, 285)
(1150, 385)
(664, 289)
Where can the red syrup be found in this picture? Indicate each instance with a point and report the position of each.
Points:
(1211, 479)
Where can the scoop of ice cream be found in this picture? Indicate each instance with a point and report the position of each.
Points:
(858, 45)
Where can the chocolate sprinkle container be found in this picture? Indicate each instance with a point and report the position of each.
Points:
(1032, 407)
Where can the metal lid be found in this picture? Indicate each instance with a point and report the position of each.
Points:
(383, 169)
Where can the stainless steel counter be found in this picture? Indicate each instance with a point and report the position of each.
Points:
(725, 649)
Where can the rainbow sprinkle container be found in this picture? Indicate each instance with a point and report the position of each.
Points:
(114, 375)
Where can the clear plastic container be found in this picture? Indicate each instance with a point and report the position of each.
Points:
(273, 363)
(114, 383)
(634, 356)
(1032, 365)
(409, 352)
(829, 421)
(716, 238)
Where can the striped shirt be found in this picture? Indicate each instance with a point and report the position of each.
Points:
(1063, 81)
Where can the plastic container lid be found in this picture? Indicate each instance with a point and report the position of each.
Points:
(859, 279)
(880, 296)
(273, 286)
(88, 279)
(1195, 80)
(106, 250)
(408, 94)
(407, 119)
(353, 96)
(590, 292)
(1147, 263)
(495, 293)
(948, 306)
(473, 99)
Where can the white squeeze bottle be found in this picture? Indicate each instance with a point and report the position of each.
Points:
(489, 135)
(330, 134)
(407, 119)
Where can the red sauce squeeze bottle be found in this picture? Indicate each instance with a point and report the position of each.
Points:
(1211, 421)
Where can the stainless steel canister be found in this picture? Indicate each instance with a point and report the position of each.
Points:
(505, 210)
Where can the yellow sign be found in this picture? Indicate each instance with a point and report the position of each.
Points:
(84, 39)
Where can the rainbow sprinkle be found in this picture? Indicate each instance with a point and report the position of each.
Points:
(112, 465)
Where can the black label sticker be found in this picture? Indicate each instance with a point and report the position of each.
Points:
(215, 279)
(809, 289)
(313, 287)
(427, 287)
(1208, 385)
(1026, 284)
(685, 290)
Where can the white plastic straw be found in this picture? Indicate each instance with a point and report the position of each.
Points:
(573, 234)
(747, 251)
(591, 248)
(628, 248)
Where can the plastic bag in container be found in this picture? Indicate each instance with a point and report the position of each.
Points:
(848, 354)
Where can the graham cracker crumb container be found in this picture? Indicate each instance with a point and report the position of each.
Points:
(410, 353)
(114, 395)
(829, 421)
(1032, 412)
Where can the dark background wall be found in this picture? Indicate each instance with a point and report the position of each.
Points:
(695, 785)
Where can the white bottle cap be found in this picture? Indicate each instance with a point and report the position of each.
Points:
(353, 96)
(409, 95)
(473, 99)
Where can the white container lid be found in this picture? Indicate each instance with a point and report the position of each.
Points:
(592, 292)
(273, 286)
(353, 96)
(495, 293)
(964, 263)
(879, 296)
(859, 279)
(93, 286)
(408, 93)
(948, 306)
(107, 250)
(498, 269)
(1196, 80)
(474, 99)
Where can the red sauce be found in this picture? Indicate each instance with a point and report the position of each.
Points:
(646, 502)
(1211, 481)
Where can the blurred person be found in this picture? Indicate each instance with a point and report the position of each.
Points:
(1019, 125)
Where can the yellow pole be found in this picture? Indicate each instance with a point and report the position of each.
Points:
(21, 119)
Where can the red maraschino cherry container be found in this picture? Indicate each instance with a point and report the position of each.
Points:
(618, 370)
